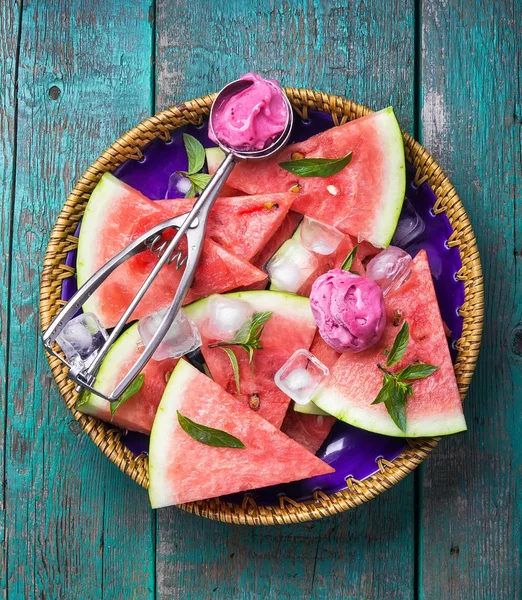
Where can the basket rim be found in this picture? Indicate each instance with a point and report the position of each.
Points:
(108, 439)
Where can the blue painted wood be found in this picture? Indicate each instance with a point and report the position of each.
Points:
(84, 78)
(471, 120)
(9, 27)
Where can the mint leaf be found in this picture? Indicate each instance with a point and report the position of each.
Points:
(235, 366)
(200, 180)
(83, 398)
(208, 435)
(399, 345)
(386, 392)
(133, 388)
(316, 167)
(347, 264)
(396, 406)
(195, 153)
(192, 191)
(416, 371)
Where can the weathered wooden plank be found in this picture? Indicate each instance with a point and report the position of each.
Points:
(9, 28)
(76, 528)
(471, 113)
(366, 53)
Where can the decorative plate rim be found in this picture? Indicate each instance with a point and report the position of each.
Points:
(108, 439)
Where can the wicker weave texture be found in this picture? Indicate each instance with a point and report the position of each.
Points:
(108, 439)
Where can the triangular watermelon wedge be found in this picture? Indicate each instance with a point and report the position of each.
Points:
(364, 199)
(243, 224)
(354, 381)
(115, 215)
(137, 413)
(290, 327)
(182, 469)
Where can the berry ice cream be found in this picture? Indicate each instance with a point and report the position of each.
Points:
(349, 310)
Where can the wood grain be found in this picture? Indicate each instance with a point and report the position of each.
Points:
(369, 552)
(9, 28)
(470, 537)
(72, 519)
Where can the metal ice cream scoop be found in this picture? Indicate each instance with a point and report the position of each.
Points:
(192, 225)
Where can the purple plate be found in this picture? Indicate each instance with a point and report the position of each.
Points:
(351, 451)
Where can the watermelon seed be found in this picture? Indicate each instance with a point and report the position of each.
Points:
(295, 188)
(397, 318)
(167, 376)
(254, 401)
(332, 189)
(297, 156)
(270, 205)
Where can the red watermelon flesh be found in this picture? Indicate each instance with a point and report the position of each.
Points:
(115, 215)
(243, 225)
(308, 430)
(182, 469)
(364, 199)
(283, 233)
(137, 413)
(325, 353)
(436, 408)
(290, 327)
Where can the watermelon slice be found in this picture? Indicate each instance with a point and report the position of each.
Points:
(137, 413)
(182, 469)
(115, 215)
(364, 199)
(290, 327)
(309, 430)
(243, 225)
(284, 232)
(436, 408)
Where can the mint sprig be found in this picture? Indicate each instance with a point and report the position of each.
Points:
(348, 261)
(316, 167)
(248, 337)
(196, 160)
(395, 389)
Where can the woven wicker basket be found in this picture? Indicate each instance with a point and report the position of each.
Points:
(107, 438)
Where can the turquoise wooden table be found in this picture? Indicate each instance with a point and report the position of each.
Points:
(73, 77)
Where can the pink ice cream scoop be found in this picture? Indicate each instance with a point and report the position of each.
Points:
(348, 309)
(252, 118)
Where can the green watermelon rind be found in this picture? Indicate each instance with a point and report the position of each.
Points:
(395, 172)
(335, 404)
(108, 375)
(285, 304)
(297, 237)
(161, 433)
(309, 409)
(96, 212)
(215, 156)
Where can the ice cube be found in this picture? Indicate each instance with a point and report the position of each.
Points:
(291, 266)
(409, 227)
(389, 268)
(226, 316)
(178, 186)
(81, 339)
(182, 337)
(300, 376)
(319, 237)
